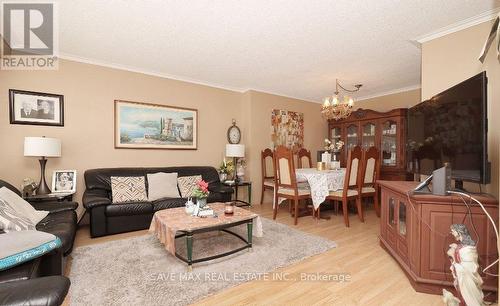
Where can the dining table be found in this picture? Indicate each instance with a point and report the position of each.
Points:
(320, 182)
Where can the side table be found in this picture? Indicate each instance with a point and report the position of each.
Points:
(248, 184)
(58, 197)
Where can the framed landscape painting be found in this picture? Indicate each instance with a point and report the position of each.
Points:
(154, 126)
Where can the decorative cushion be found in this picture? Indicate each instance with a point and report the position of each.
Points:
(21, 206)
(11, 220)
(162, 185)
(187, 184)
(367, 190)
(290, 191)
(128, 189)
(339, 193)
(269, 182)
(19, 247)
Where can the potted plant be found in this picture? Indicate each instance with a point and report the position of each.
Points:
(201, 193)
(225, 169)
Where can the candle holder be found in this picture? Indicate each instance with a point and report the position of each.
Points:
(229, 208)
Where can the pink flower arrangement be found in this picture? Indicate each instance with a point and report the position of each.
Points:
(201, 190)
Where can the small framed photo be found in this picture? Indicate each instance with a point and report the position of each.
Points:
(36, 108)
(64, 181)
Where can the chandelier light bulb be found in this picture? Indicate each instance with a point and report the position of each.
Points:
(335, 100)
(351, 102)
(326, 102)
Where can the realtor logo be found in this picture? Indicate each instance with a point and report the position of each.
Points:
(29, 40)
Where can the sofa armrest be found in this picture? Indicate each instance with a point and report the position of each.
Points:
(49, 290)
(220, 188)
(94, 198)
(55, 207)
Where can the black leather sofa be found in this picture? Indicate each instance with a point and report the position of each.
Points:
(107, 218)
(40, 281)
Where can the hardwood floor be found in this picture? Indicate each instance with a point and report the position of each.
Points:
(375, 278)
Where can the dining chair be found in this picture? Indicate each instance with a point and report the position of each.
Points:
(286, 181)
(351, 185)
(304, 158)
(369, 175)
(267, 166)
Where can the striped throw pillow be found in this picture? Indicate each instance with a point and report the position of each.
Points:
(11, 220)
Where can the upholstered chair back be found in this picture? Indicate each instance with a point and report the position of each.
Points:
(267, 164)
(304, 158)
(371, 166)
(353, 168)
(285, 167)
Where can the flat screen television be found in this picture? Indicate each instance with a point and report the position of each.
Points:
(451, 127)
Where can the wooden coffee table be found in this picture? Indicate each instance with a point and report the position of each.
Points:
(171, 224)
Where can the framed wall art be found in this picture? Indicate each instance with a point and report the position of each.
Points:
(155, 126)
(36, 108)
(287, 129)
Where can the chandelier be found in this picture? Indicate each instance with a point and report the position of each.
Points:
(335, 109)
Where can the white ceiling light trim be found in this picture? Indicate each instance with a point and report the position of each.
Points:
(458, 26)
(390, 92)
(80, 59)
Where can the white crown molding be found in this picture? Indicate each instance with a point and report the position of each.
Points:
(389, 92)
(458, 26)
(106, 64)
(80, 59)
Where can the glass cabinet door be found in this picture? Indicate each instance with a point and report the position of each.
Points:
(351, 137)
(389, 143)
(368, 135)
(392, 210)
(335, 134)
(402, 218)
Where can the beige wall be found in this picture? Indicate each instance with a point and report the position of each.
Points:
(453, 58)
(87, 137)
(261, 105)
(385, 103)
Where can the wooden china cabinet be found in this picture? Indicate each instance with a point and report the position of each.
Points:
(386, 131)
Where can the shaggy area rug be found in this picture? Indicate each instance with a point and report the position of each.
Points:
(139, 271)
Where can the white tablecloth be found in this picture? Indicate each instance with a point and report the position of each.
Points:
(321, 182)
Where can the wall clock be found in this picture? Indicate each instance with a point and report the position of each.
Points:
(233, 134)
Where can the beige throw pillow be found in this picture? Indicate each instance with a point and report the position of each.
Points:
(187, 184)
(128, 189)
(162, 185)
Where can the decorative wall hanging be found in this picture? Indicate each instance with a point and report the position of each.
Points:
(36, 108)
(154, 126)
(494, 32)
(287, 129)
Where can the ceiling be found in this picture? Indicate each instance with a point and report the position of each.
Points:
(294, 48)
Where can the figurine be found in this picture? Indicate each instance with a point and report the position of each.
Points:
(28, 187)
(464, 267)
(189, 206)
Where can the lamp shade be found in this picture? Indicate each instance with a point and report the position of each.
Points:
(42, 146)
(235, 150)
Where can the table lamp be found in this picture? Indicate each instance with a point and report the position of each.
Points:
(235, 151)
(42, 147)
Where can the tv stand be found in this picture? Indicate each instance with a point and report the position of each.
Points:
(420, 250)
